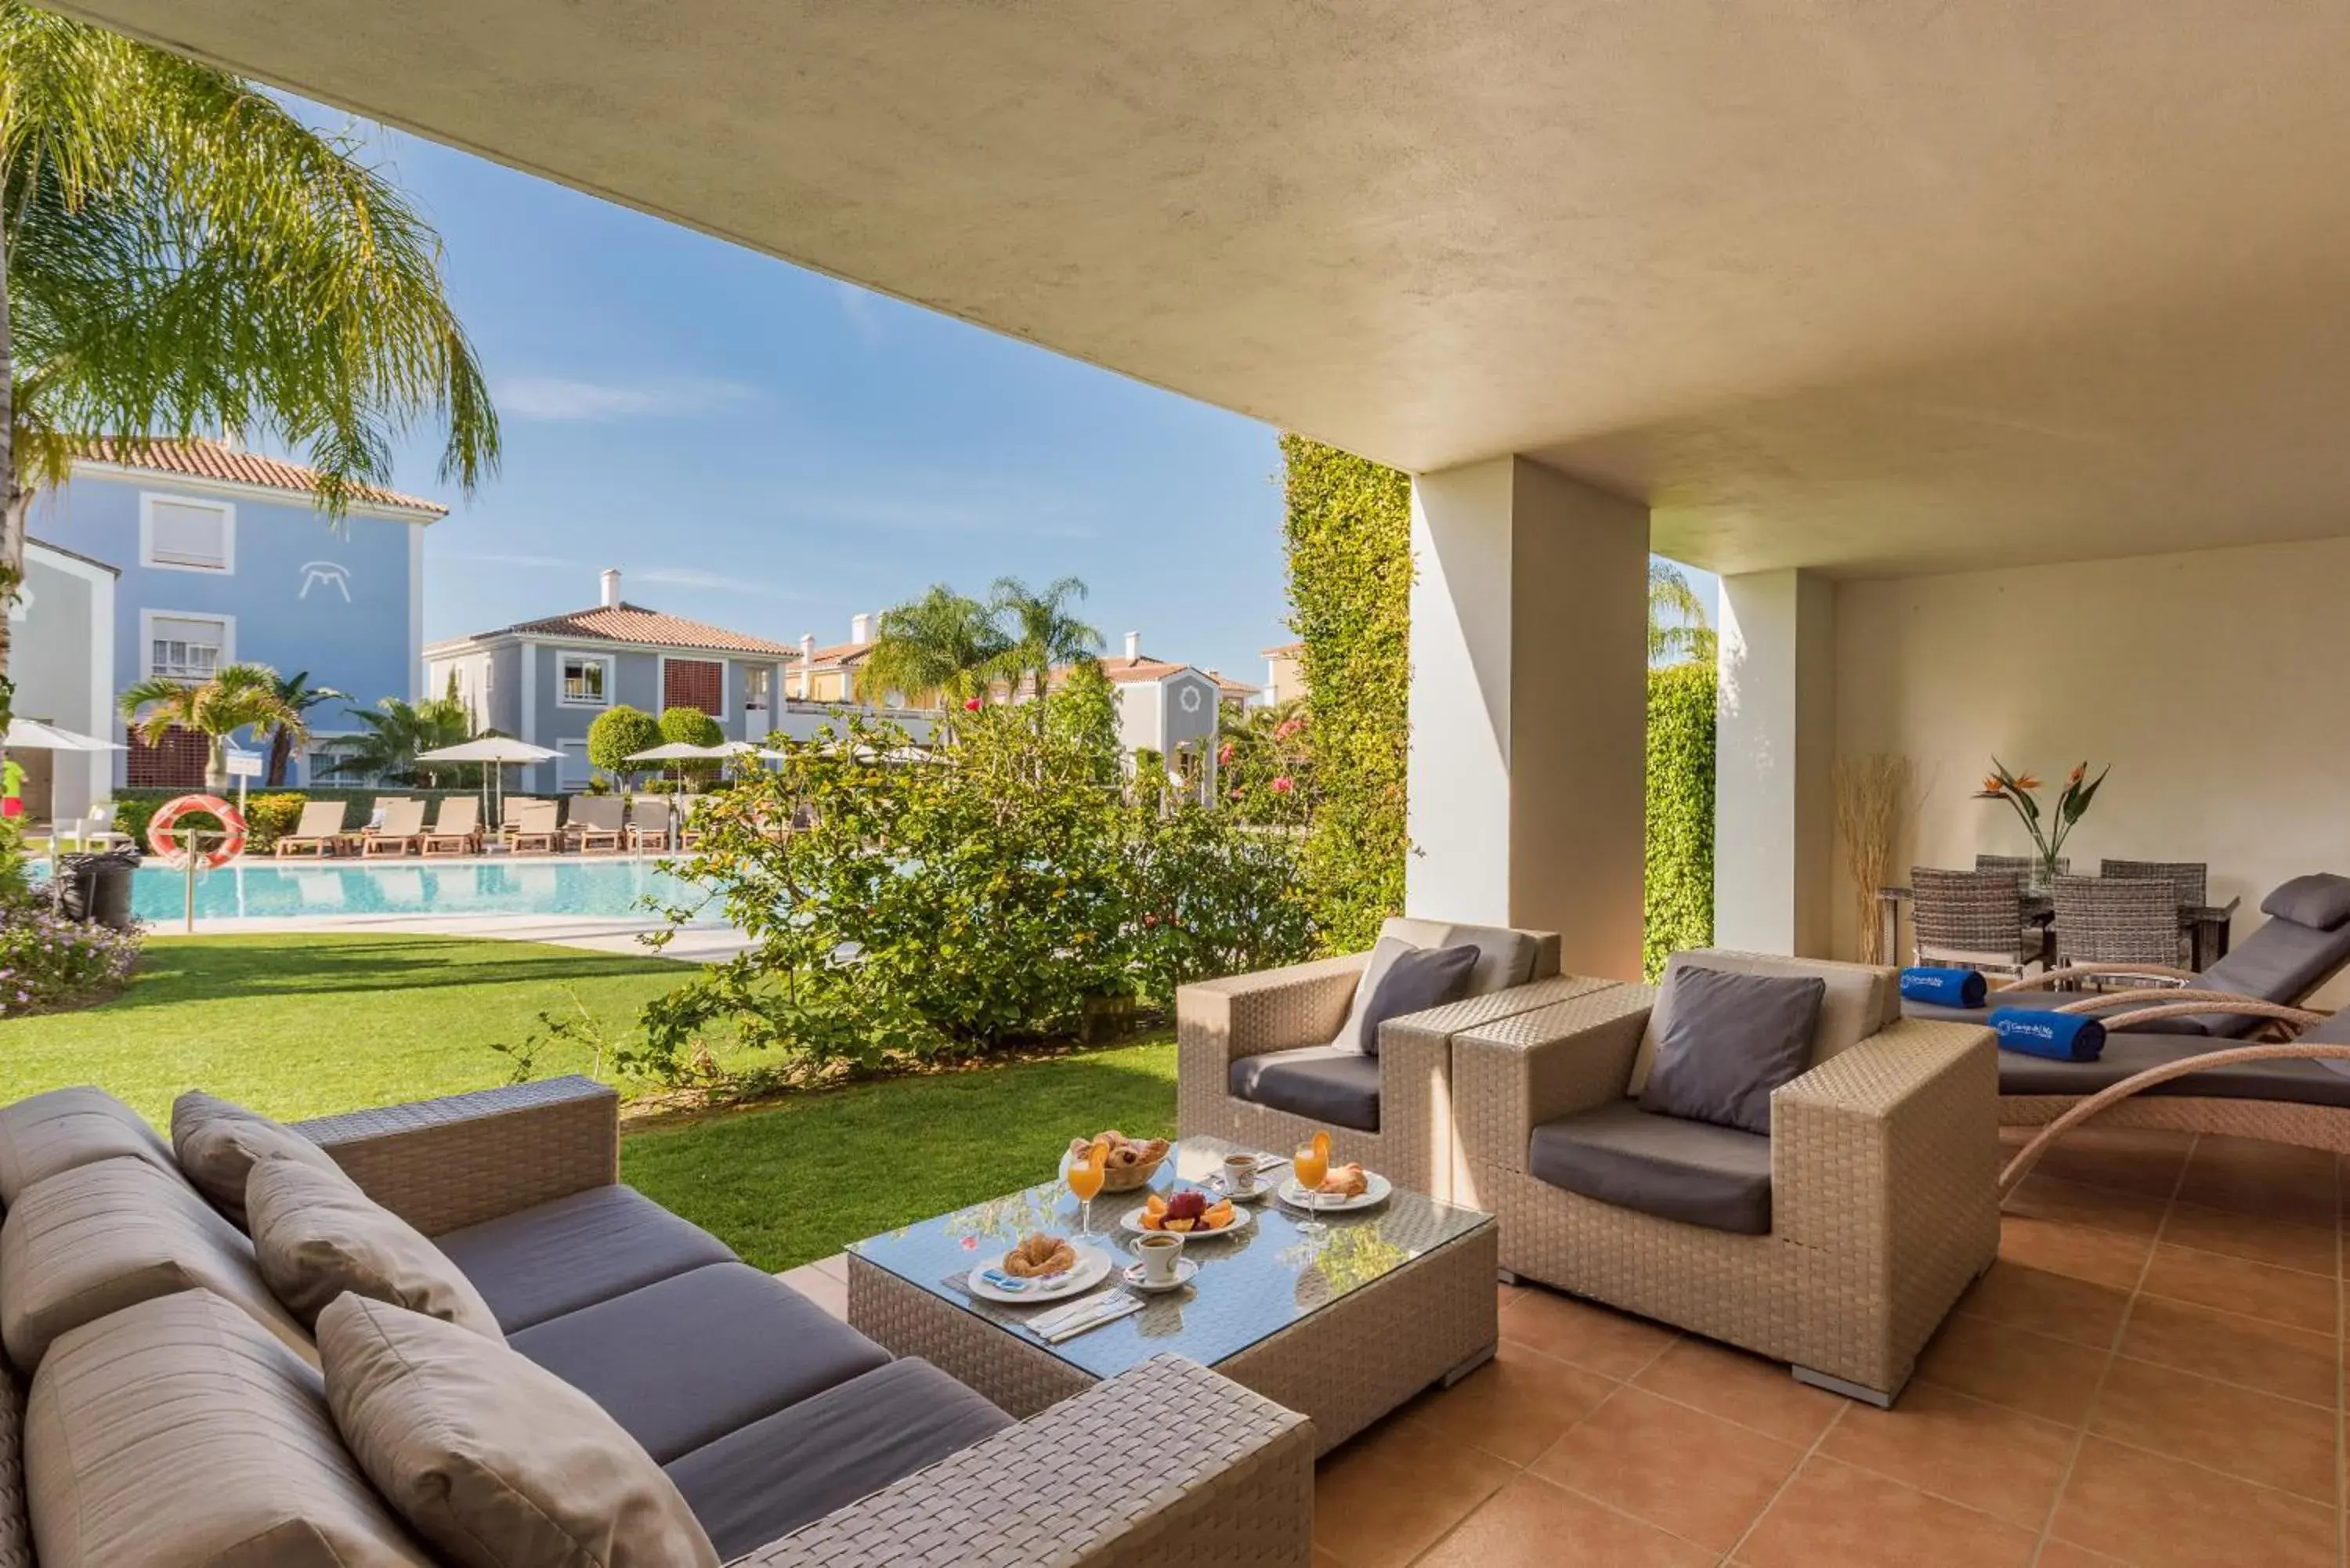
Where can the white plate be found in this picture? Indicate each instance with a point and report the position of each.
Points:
(1185, 1268)
(1375, 1190)
(1093, 1267)
(1131, 1222)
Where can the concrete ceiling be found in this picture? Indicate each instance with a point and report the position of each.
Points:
(1870, 284)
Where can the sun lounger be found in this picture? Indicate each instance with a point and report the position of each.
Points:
(649, 822)
(403, 829)
(688, 836)
(320, 831)
(457, 829)
(595, 823)
(538, 831)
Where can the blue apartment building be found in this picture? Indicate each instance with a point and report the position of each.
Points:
(220, 556)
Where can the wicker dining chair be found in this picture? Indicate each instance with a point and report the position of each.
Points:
(1972, 919)
(2190, 879)
(2118, 921)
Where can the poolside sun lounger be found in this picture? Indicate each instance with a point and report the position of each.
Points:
(649, 822)
(595, 823)
(320, 831)
(403, 828)
(538, 831)
(456, 830)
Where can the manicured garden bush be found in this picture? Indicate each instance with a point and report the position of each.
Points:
(688, 726)
(1680, 883)
(47, 961)
(998, 895)
(619, 733)
(1350, 532)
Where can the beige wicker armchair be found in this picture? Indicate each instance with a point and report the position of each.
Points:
(1881, 1203)
(1302, 1008)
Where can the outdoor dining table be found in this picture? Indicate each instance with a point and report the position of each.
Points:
(2204, 926)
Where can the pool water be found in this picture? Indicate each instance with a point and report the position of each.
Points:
(524, 886)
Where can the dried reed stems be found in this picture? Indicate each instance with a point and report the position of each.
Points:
(1870, 791)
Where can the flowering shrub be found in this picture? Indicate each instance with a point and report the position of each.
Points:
(47, 961)
(998, 892)
(1263, 764)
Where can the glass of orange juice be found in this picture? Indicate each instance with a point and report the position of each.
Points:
(1311, 1162)
(1085, 1174)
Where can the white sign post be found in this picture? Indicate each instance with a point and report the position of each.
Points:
(242, 765)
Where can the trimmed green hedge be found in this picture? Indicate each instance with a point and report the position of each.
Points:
(1680, 888)
(1349, 528)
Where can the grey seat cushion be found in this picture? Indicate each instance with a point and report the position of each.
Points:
(1321, 1083)
(686, 1360)
(2282, 961)
(761, 1483)
(42, 1135)
(2129, 1052)
(1691, 1171)
(554, 1258)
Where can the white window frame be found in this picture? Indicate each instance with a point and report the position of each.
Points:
(612, 674)
(563, 776)
(146, 619)
(227, 510)
(765, 706)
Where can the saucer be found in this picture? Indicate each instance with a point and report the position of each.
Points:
(1185, 1268)
(1256, 1191)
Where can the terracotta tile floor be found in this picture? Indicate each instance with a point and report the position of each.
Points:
(2151, 1377)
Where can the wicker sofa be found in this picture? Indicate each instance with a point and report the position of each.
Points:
(760, 1407)
(1837, 1242)
(1393, 1112)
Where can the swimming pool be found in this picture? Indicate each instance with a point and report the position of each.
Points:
(523, 887)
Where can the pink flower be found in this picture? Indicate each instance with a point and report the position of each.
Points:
(1150, 920)
(1283, 785)
(970, 704)
(1224, 753)
(971, 1243)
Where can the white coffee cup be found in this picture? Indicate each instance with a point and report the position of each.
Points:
(1240, 1173)
(1159, 1250)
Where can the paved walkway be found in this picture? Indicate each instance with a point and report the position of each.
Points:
(597, 933)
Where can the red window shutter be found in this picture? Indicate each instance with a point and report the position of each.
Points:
(694, 683)
(177, 762)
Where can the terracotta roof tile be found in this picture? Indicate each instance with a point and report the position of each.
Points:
(634, 623)
(1286, 650)
(839, 653)
(211, 460)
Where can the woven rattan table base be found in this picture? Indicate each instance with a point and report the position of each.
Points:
(1343, 1367)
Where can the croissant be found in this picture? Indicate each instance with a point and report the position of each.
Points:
(1344, 1182)
(1039, 1255)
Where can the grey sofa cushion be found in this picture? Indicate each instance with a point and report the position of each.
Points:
(1860, 1000)
(2129, 1052)
(683, 1362)
(316, 1235)
(218, 1142)
(1691, 1171)
(1730, 1040)
(1505, 957)
(1334, 1083)
(177, 1432)
(1401, 978)
(42, 1135)
(553, 1258)
(89, 1242)
(761, 1483)
(2320, 900)
(2284, 960)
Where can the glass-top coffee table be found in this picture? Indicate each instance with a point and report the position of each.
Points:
(1341, 1327)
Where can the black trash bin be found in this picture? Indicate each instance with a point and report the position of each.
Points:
(96, 887)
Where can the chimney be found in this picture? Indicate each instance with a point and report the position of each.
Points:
(808, 662)
(1133, 646)
(611, 586)
(861, 630)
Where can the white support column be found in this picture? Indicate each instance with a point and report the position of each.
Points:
(1774, 805)
(1529, 707)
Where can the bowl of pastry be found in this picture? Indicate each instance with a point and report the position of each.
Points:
(1127, 1163)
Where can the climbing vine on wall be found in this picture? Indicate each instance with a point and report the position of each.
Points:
(1349, 535)
(1680, 885)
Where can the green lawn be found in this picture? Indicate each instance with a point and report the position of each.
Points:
(307, 1025)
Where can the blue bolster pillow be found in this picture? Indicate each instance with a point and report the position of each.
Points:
(1943, 987)
(2065, 1036)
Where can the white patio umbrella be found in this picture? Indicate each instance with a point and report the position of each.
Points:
(681, 751)
(32, 735)
(497, 752)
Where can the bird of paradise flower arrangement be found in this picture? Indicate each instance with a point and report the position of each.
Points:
(2048, 832)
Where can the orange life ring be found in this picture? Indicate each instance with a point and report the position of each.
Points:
(165, 843)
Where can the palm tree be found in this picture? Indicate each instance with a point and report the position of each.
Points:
(299, 696)
(942, 648)
(395, 731)
(1044, 632)
(237, 697)
(181, 256)
(1678, 632)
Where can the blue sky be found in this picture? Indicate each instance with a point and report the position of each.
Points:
(768, 449)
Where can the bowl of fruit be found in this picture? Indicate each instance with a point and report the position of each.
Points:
(1187, 1212)
(1127, 1163)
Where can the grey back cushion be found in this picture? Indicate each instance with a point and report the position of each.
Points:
(2320, 900)
(100, 1238)
(1401, 978)
(1732, 1040)
(316, 1235)
(1859, 1000)
(177, 1432)
(1504, 957)
(44, 1134)
(218, 1142)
